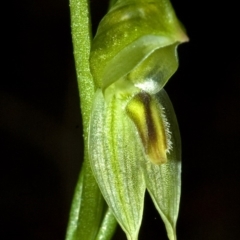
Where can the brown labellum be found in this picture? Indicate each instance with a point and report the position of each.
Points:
(149, 119)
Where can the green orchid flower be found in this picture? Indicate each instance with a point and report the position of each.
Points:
(134, 142)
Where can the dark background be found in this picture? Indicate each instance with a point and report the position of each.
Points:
(41, 145)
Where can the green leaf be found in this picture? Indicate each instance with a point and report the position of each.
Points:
(108, 226)
(87, 208)
(75, 208)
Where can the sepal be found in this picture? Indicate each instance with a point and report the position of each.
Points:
(164, 181)
(114, 152)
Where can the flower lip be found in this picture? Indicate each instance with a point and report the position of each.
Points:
(148, 118)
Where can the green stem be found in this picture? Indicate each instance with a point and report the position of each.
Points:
(88, 204)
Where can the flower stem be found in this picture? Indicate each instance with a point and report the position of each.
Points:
(88, 204)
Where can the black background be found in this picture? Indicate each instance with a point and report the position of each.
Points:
(41, 145)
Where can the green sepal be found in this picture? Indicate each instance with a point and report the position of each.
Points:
(126, 22)
(113, 151)
(122, 166)
(154, 71)
(143, 68)
(164, 181)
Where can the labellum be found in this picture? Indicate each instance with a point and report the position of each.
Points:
(152, 126)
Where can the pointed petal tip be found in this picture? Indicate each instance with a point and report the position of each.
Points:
(182, 35)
